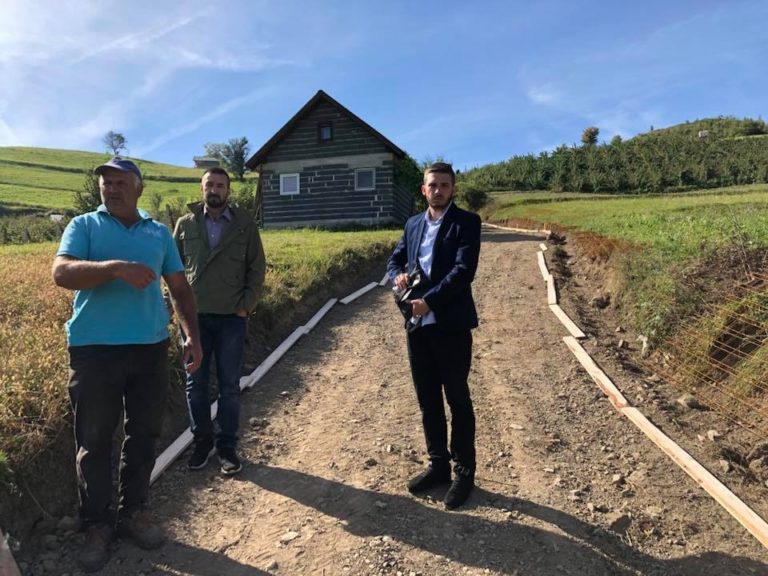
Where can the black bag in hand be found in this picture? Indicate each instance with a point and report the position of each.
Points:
(417, 286)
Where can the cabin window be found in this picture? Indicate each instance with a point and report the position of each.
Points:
(289, 184)
(365, 179)
(324, 132)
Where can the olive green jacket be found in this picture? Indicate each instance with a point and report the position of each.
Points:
(229, 277)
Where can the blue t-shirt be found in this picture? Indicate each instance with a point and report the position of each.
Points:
(116, 312)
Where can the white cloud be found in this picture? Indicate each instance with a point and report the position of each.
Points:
(544, 94)
(187, 128)
(143, 39)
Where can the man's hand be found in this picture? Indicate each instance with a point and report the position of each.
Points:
(191, 355)
(243, 313)
(419, 307)
(137, 275)
(401, 281)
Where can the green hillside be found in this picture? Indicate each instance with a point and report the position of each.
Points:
(732, 152)
(47, 178)
(717, 128)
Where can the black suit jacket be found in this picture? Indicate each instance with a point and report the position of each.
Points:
(454, 263)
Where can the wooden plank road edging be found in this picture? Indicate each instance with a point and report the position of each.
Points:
(551, 290)
(600, 378)
(743, 514)
(319, 315)
(359, 293)
(172, 452)
(273, 358)
(542, 265)
(569, 324)
(530, 231)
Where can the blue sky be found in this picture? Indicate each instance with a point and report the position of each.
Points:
(470, 82)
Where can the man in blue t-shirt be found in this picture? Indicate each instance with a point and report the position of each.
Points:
(113, 259)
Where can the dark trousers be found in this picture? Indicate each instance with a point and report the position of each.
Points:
(222, 337)
(105, 383)
(440, 362)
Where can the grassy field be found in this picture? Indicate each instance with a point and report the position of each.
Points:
(47, 177)
(681, 226)
(33, 374)
(53, 158)
(664, 236)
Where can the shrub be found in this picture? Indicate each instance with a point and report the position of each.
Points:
(474, 198)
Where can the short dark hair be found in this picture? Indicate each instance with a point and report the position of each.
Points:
(441, 168)
(216, 170)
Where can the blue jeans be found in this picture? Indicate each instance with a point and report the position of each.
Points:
(222, 336)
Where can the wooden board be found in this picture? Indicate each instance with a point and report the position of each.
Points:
(384, 280)
(542, 265)
(272, 359)
(600, 378)
(551, 290)
(319, 315)
(727, 499)
(521, 230)
(574, 330)
(169, 455)
(358, 293)
(543, 247)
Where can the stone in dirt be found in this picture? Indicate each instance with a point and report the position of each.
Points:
(713, 435)
(689, 402)
(289, 536)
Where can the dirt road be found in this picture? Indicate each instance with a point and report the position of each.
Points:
(332, 434)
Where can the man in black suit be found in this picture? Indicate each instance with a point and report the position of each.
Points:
(444, 244)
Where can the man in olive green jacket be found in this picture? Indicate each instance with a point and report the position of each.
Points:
(224, 263)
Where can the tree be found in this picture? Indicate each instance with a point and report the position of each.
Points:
(589, 136)
(232, 155)
(89, 198)
(616, 140)
(114, 141)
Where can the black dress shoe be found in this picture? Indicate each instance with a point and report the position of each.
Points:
(459, 491)
(430, 478)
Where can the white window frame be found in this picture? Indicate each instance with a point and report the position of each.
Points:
(284, 177)
(373, 179)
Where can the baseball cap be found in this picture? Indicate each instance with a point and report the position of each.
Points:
(121, 164)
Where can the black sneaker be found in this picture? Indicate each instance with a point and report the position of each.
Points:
(459, 491)
(431, 477)
(95, 551)
(200, 454)
(230, 463)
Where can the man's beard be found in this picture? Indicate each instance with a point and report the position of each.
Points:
(214, 201)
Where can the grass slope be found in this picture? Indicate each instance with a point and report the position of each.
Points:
(47, 177)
